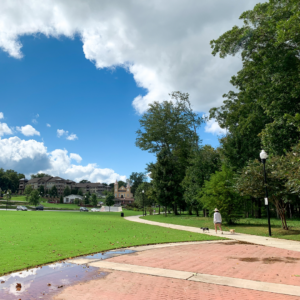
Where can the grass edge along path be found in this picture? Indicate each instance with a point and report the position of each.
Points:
(257, 227)
(34, 238)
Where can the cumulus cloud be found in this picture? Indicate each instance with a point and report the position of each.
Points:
(31, 157)
(163, 44)
(1, 115)
(4, 129)
(28, 130)
(76, 157)
(71, 137)
(48, 125)
(213, 127)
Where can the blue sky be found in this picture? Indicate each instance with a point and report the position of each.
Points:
(93, 75)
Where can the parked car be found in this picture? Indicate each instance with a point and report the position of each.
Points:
(20, 207)
(95, 209)
(40, 207)
(83, 209)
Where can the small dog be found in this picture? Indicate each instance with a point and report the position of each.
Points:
(232, 231)
(205, 229)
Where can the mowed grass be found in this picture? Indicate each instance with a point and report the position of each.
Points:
(249, 225)
(32, 238)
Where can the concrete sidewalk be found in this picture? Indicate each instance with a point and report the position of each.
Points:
(254, 239)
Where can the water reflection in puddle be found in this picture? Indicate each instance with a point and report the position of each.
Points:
(45, 281)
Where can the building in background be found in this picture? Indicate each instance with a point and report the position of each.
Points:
(123, 196)
(60, 183)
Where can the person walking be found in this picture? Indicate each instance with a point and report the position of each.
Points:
(217, 220)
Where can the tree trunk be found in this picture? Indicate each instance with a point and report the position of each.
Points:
(159, 209)
(204, 213)
(280, 208)
(197, 211)
(175, 209)
(190, 210)
(165, 211)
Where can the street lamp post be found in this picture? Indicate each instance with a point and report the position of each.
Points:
(263, 155)
(143, 203)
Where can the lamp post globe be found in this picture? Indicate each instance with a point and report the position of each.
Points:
(263, 155)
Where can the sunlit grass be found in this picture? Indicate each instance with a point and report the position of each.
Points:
(33, 238)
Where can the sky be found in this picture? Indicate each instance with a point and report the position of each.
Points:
(76, 76)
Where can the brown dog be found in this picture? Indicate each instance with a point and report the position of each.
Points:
(232, 231)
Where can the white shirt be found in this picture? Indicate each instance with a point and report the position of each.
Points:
(217, 217)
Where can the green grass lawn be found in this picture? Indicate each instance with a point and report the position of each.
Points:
(249, 226)
(33, 238)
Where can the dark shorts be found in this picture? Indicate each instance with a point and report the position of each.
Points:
(218, 223)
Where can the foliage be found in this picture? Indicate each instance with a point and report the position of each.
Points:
(80, 193)
(84, 181)
(140, 198)
(74, 191)
(41, 189)
(121, 183)
(27, 192)
(136, 179)
(7, 196)
(87, 197)
(61, 200)
(67, 191)
(268, 84)
(10, 179)
(110, 200)
(202, 164)
(218, 192)
(34, 198)
(250, 182)
(53, 191)
(94, 200)
(39, 175)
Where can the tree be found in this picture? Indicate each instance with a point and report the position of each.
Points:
(202, 164)
(61, 200)
(41, 190)
(34, 198)
(27, 191)
(9, 180)
(74, 191)
(94, 200)
(218, 192)
(121, 183)
(84, 181)
(136, 179)
(80, 193)
(269, 79)
(169, 129)
(40, 175)
(143, 199)
(109, 201)
(53, 191)
(250, 182)
(67, 191)
(87, 197)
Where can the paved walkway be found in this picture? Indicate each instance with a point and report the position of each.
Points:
(260, 240)
(245, 267)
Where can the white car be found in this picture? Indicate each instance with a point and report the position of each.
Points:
(95, 210)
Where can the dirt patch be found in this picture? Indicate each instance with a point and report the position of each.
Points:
(232, 243)
(249, 259)
(272, 260)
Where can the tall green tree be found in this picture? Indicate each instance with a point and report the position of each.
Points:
(269, 80)
(203, 162)
(87, 197)
(84, 181)
(218, 192)
(53, 191)
(136, 179)
(143, 199)
(41, 190)
(110, 200)
(67, 191)
(27, 191)
(94, 200)
(34, 198)
(40, 175)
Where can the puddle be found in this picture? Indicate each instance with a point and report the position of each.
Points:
(108, 254)
(46, 281)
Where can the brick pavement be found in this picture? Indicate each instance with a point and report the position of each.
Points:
(131, 286)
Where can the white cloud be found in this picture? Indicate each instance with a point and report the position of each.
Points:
(164, 44)
(37, 115)
(61, 132)
(28, 130)
(48, 125)
(72, 137)
(4, 129)
(31, 157)
(34, 121)
(213, 127)
(76, 157)
(1, 115)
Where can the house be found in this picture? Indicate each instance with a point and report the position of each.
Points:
(71, 198)
(123, 196)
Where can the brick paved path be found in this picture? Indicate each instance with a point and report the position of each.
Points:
(230, 259)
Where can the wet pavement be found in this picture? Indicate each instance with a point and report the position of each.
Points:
(46, 281)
